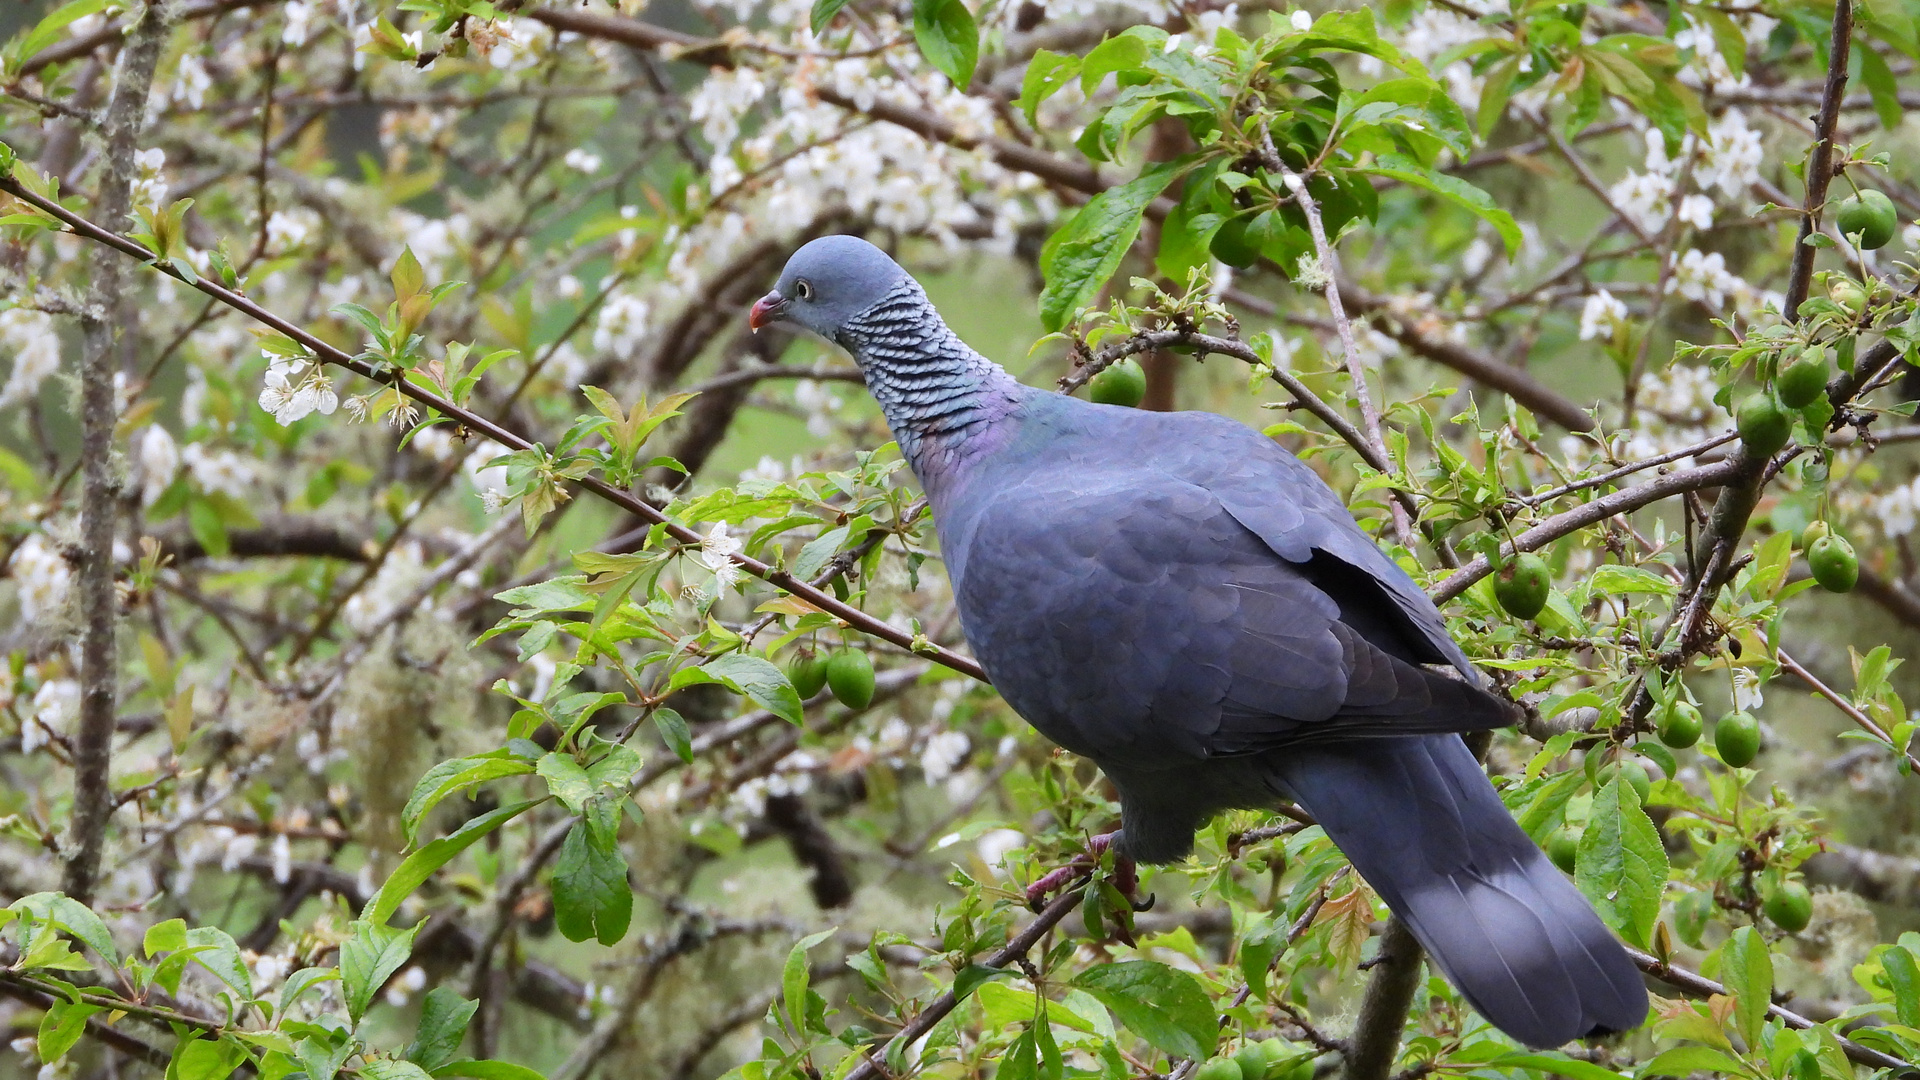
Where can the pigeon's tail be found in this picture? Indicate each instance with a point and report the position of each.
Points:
(1420, 821)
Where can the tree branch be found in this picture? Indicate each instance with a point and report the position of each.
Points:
(871, 1067)
(859, 620)
(103, 321)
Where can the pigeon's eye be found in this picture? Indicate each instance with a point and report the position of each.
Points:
(804, 288)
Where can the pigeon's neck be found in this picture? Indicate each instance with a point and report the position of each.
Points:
(941, 398)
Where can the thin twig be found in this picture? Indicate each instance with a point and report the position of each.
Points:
(855, 618)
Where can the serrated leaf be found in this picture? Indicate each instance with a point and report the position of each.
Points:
(591, 897)
(1079, 259)
(444, 1016)
(1454, 190)
(1166, 1007)
(458, 774)
(369, 958)
(1746, 967)
(60, 1027)
(416, 868)
(1621, 865)
(760, 681)
(794, 976)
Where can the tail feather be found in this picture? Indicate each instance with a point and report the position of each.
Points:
(1419, 820)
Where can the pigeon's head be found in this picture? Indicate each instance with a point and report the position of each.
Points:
(827, 282)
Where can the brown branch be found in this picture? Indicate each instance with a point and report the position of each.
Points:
(779, 578)
(75, 47)
(1693, 984)
(1866, 723)
(104, 323)
(1375, 1042)
(1624, 501)
(870, 1067)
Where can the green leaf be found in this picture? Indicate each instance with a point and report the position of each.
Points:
(793, 979)
(1684, 1060)
(488, 1070)
(164, 937)
(443, 1023)
(1047, 72)
(302, 981)
(322, 1059)
(1621, 866)
(1454, 190)
(49, 30)
(206, 1059)
(1123, 53)
(1904, 977)
(459, 774)
(76, 918)
(416, 868)
(591, 897)
(215, 950)
(385, 1068)
(948, 38)
(567, 780)
(61, 1026)
(760, 681)
(1081, 256)
(1162, 1005)
(823, 13)
(675, 732)
(1555, 1063)
(369, 958)
(1882, 88)
(1747, 969)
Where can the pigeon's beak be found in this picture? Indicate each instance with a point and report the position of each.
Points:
(767, 309)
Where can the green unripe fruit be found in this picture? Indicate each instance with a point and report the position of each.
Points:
(1871, 214)
(1635, 775)
(1522, 586)
(1288, 1061)
(1222, 1068)
(1764, 426)
(1834, 564)
(1252, 1059)
(1230, 244)
(808, 673)
(1122, 383)
(1789, 907)
(1847, 293)
(1680, 725)
(1813, 534)
(1563, 847)
(1802, 382)
(850, 677)
(1737, 737)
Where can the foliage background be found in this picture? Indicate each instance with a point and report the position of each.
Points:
(1565, 237)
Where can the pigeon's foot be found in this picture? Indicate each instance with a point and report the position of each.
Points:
(1126, 875)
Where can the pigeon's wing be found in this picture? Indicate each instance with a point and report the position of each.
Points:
(1132, 618)
(1284, 502)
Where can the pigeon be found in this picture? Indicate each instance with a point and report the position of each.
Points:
(1176, 597)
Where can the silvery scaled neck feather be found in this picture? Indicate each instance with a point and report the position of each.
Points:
(939, 396)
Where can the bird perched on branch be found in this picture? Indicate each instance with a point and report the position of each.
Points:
(1181, 600)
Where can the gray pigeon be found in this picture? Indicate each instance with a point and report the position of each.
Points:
(1181, 600)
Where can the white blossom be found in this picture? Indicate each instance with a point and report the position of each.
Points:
(218, 471)
(582, 159)
(1602, 316)
(35, 347)
(156, 458)
(43, 577)
(943, 754)
(717, 549)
